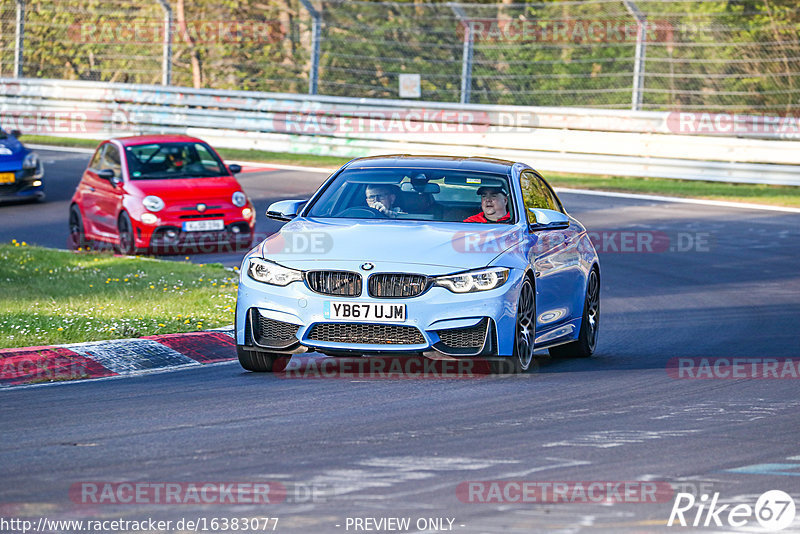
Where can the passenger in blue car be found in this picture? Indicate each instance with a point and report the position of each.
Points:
(494, 206)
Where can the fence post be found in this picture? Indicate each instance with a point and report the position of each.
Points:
(19, 39)
(315, 29)
(639, 58)
(466, 54)
(166, 59)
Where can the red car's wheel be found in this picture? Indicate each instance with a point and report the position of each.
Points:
(77, 234)
(127, 243)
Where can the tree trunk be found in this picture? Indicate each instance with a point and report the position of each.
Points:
(197, 72)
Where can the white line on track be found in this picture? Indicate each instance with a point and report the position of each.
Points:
(61, 148)
(636, 196)
(680, 200)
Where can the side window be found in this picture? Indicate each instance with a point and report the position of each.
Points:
(535, 195)
(95, 163)
(111, 160)
(207, 160)
(552, 195)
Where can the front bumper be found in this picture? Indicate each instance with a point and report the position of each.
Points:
(27, 185)
(169, 238)
(438, 320)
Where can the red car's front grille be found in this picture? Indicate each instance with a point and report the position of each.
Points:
(194, 208)
(203, 216)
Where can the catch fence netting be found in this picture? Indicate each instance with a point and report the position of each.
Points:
(728, 55)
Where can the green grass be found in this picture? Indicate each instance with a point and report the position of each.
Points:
(59, 141)
(51, 297)
(753, 193)
(287, 158)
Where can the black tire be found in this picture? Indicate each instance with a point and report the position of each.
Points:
(77, 233)
(524, 335)
(127, 244)
(258, 362)
(584, 346)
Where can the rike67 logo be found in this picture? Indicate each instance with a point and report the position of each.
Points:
(774, 510)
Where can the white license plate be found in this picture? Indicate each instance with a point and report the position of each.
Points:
(358, 311)
(203, 226)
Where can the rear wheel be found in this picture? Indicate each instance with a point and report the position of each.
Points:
(584, 346)
(524, 333)
(126, 245)
(258, 362)
(77, 235)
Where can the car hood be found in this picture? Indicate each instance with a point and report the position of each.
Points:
(12, 152)
(185, 189)
(452, 245)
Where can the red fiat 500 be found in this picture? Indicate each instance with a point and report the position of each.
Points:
(162, 193)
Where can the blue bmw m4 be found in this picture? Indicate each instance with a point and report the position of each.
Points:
(422, 255)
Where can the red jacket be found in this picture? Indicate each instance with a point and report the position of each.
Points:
(481, 218)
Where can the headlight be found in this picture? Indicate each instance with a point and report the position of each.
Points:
(239, 199)
(31, 161)
(272, 273)
(247, 213)
(471, 281)
(149, 218)
(153, 203)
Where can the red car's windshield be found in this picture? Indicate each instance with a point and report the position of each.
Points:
(159, 161)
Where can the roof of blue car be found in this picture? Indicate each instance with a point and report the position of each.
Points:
(489, 165)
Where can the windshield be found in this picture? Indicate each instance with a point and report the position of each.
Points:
(158, 161)
(417, 194)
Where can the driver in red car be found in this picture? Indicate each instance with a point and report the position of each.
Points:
(494, 206)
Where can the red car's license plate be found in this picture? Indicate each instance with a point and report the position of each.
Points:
(204, 226)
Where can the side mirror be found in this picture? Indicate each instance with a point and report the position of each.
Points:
(105, 174)
(16, 133)
(548, 220)
(234, 168)
(285, 210)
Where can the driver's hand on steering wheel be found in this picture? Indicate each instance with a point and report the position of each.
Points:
(392, 214)
(380, 207)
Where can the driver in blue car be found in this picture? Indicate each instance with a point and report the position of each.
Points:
(494, 206)
(382, 197)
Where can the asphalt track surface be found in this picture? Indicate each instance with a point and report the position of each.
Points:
(401, 448)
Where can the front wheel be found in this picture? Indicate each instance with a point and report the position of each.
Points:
(584, 346)
(127, 244)
(77, 234)
(524, 334)
(258, 362)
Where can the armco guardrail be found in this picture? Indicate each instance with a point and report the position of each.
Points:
(717, 147)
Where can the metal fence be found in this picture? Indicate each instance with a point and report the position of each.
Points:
(641, 54)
